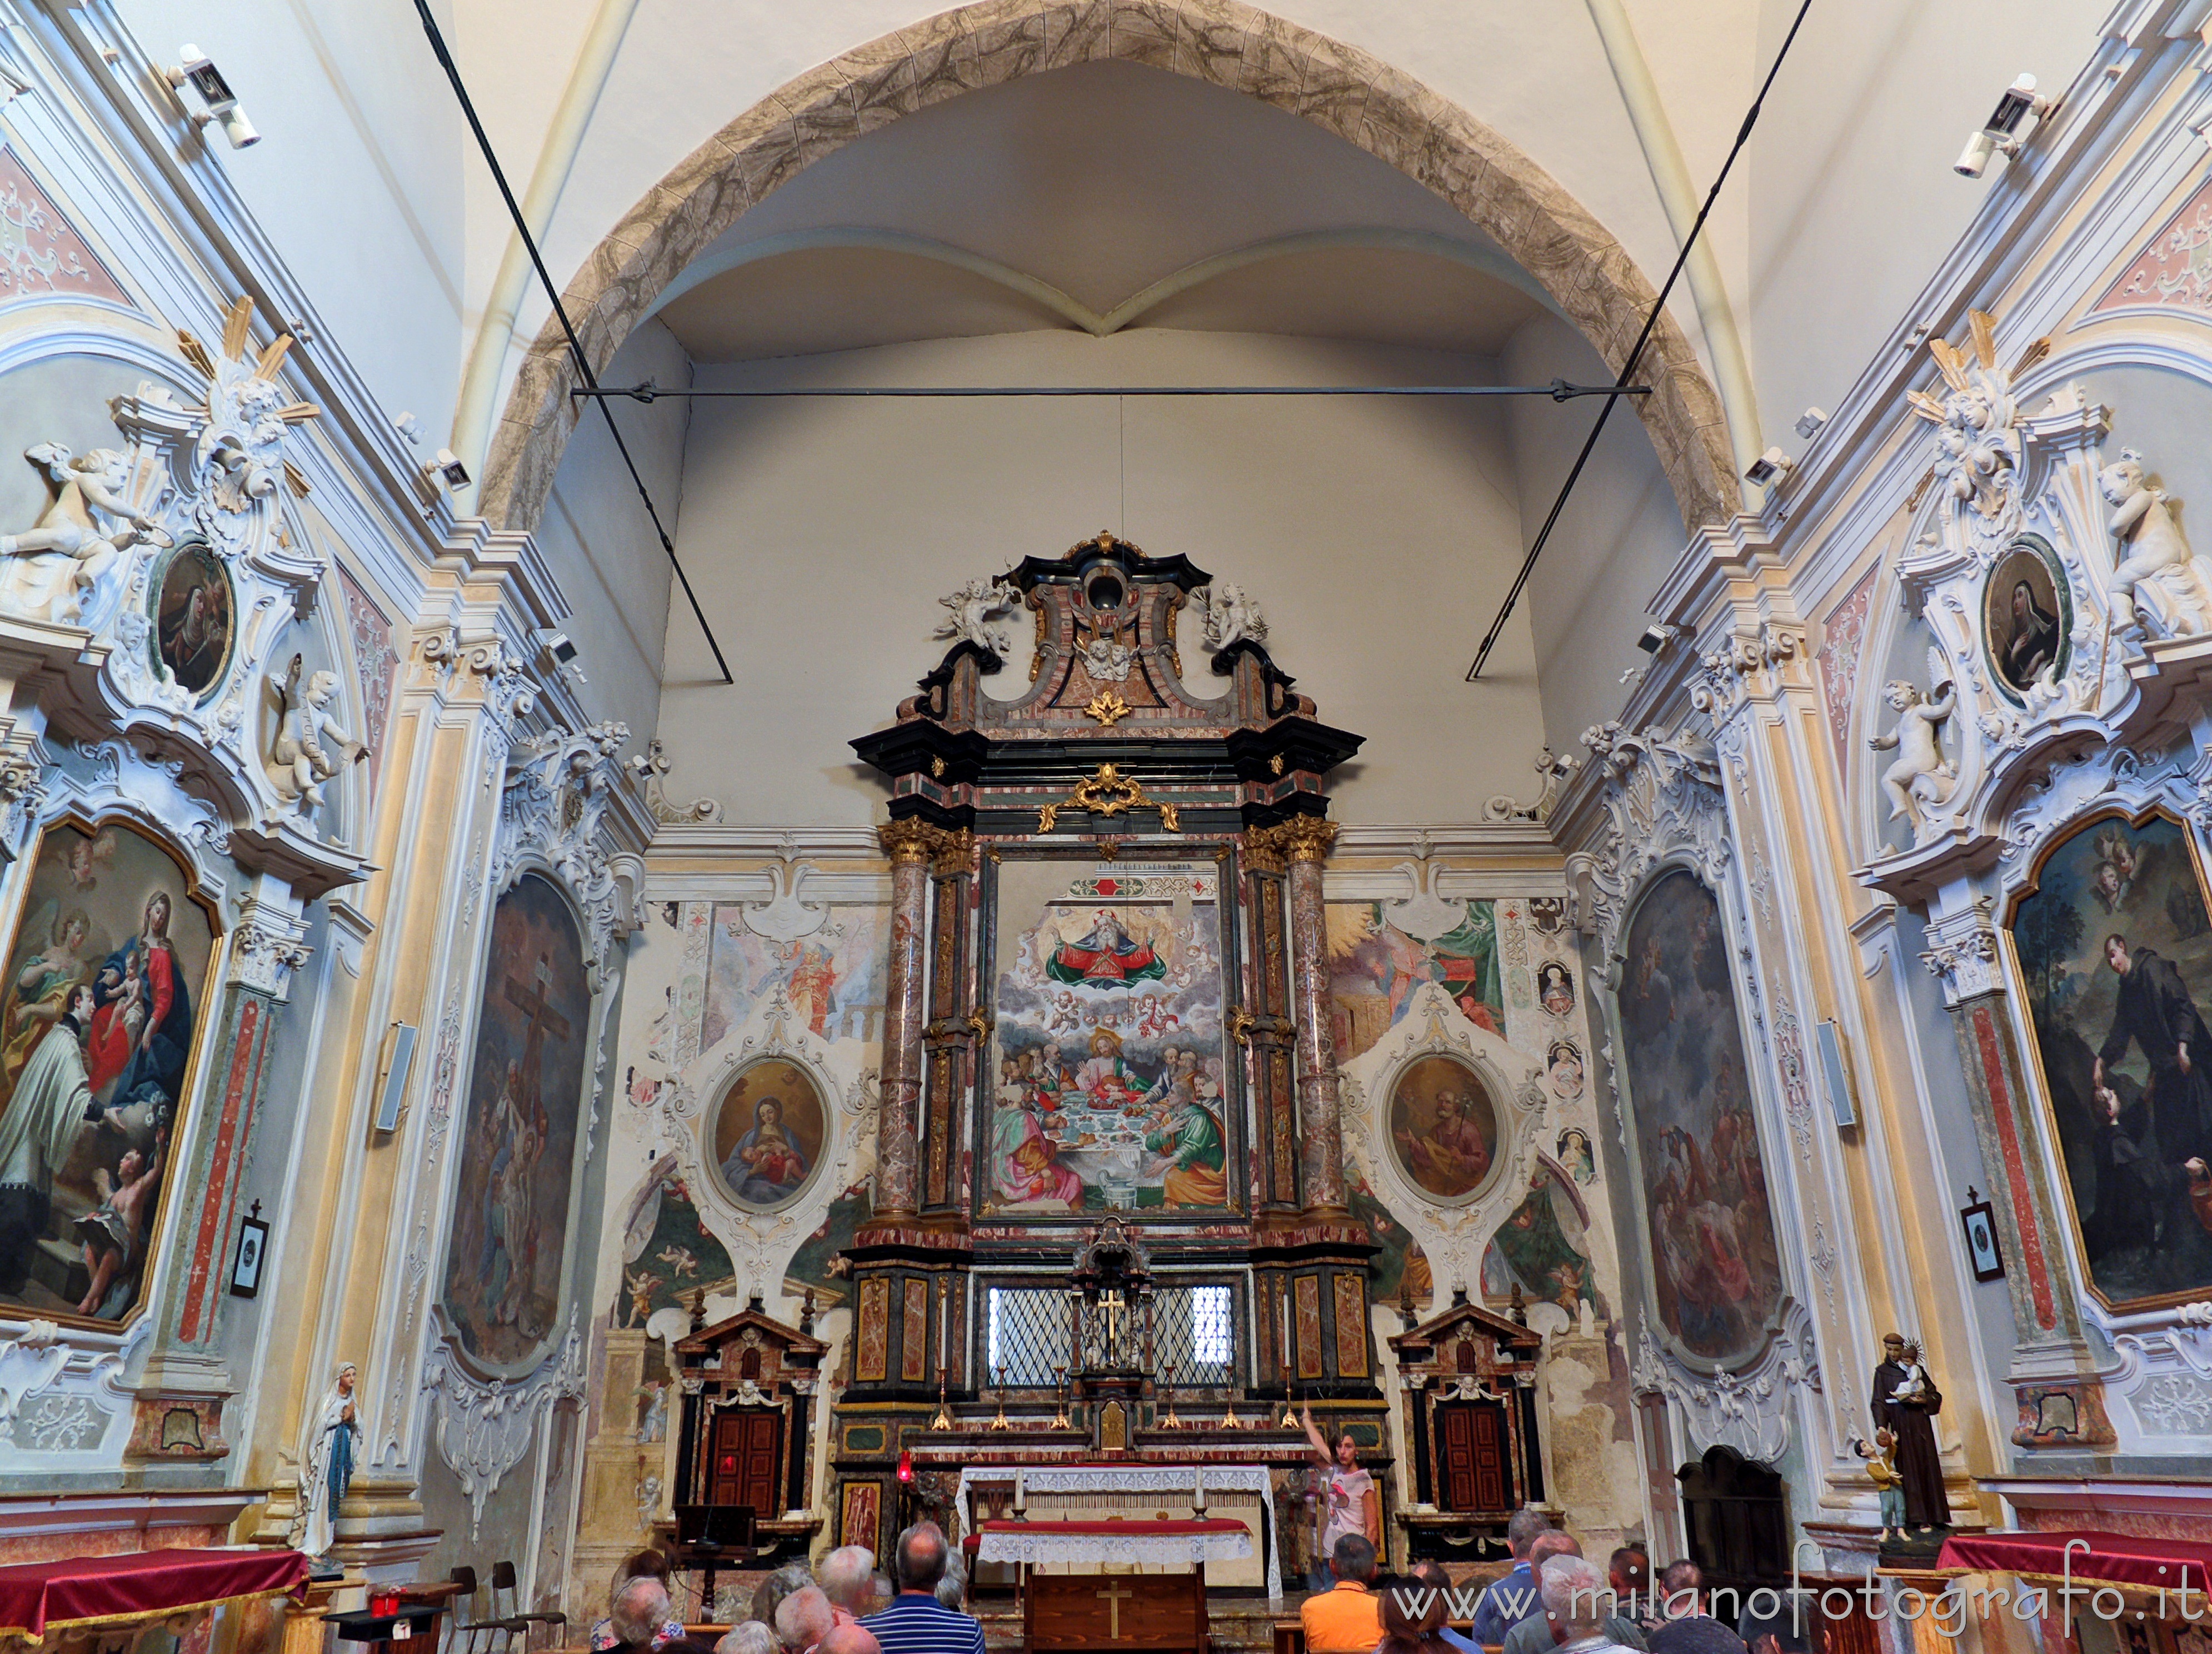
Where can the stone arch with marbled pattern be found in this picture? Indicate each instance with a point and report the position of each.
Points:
(1339, 88)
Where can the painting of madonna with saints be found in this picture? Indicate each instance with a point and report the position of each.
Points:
(1107, 1090)
(105, 985)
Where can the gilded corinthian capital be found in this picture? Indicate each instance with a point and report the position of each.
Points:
(1301, 838)
(909, 840)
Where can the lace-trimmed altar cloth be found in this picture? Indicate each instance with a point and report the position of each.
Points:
(1165, 1479)
(1196, 1542)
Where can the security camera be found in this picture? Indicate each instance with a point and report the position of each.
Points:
(409, 427)
(1770, 467)
(198, 70)
(1809, 422)
(561, 650)
(2000, 131)
(1656, 638)
(450, 470)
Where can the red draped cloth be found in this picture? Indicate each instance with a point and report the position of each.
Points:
(2098, 1558)
(36, 1597)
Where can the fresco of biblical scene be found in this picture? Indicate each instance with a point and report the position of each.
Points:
(766, 1133)
(1374, 968)
(1443, 1129)
(1400, 1269)
(1717, 1272)
(517, 1144)
(833, 979)
(1109, 1087)
(667, 1254)
(1543, 1247)
(2116, 949)
(2026, 611)
(192, 618)
(107, 976)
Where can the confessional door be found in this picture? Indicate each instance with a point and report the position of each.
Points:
(1474, 1457)
(747, 1454)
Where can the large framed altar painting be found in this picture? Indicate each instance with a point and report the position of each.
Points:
(508, 1248)
(109, 974)
(1716, 1269)
(1109, 1086)
(2114, 950)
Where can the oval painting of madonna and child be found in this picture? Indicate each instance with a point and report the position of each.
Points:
(766, 1133)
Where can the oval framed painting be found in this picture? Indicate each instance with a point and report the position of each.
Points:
(2028, 616)
(766, 1133)
(1443, 1123)
(195, 616)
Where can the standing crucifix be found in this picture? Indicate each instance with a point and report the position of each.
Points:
(1116, 1310)
(1113, 1596)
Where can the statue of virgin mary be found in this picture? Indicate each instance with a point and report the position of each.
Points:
(326, 1467)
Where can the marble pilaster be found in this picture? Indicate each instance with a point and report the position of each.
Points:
(910, 845)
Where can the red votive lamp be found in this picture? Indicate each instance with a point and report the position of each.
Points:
(906, 1464)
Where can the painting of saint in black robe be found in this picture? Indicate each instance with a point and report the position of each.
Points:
(2117, 956)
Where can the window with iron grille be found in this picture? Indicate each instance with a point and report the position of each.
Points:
(1194, 1331)
(1024, 1332)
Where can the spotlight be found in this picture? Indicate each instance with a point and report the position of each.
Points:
(2000, 131)
(1656, 638)
(1809, 422)
(199, 70)
(561, 650)
(450, 470)
(1770, 467)
(410, 427)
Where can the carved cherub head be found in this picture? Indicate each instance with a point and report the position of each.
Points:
(321, 688)
(1900, 695)
(2122, 480)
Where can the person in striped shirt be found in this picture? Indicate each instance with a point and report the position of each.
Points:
(916, 1622)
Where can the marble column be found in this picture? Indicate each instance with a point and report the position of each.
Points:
(910, 845)
(1304, 842)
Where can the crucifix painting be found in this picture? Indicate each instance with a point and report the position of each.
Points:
(518, 1142)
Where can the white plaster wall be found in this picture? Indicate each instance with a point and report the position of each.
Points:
(357, 179)
(600, 542)
(1374, 534)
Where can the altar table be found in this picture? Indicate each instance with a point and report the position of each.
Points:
(2146, 1564)
(1170, 1484)
(1151, 1613)
(1197, 1541)
(36, 1598)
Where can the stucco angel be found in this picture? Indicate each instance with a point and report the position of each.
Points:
(1229, 617)
(977, 602)
(1921, 776)
(310, 746)
(2156, 554)
(77, 538)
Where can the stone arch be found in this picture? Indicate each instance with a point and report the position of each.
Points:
(1226, 43)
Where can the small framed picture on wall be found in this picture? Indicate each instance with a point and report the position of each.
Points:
(1980, 1224)
(252, 1253)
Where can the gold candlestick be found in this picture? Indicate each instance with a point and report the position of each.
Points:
(1229, 1419)
(1000, 1420)
(1059, 1419)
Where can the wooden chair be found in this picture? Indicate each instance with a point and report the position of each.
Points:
(511, 1613)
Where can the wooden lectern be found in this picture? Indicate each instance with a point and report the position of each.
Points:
(1141, 1613)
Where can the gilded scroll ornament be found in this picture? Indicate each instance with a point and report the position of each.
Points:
(1109, 792)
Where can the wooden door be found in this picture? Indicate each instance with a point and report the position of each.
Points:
(747, 1457)
(1471, 1457)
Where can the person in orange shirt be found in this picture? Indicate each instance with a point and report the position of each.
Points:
(1348, 1619)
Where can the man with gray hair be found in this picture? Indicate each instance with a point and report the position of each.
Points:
(1533, 1635)
(1577, 1601)
(848, 1578)
(802, 1619)
(916, 1622)
(952, 1590)
(749, 1637)
(638, 1612)
(1506, 1603)
(854, 1638)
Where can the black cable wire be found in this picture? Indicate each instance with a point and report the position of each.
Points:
(1558, 390)
(1627, 367)
(575, 347)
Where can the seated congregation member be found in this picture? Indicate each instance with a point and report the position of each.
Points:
(802, 1619)
(848, 1578)
(749, 1637)
(769, 1595)
(1346, 1620)
(1538, 1633)
(1689, 1629)
(1413, 1607)
(952, 1590)
(916, 1622)
(1629, 1572)
(854, 1638)
(1505, 1602)
(1575, 1600)
(639, 1564)
(640, 1618)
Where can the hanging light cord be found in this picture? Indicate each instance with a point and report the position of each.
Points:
(1628, 367)
(575, 347)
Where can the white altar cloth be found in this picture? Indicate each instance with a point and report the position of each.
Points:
(1000, 1546)
(1165, 1479)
